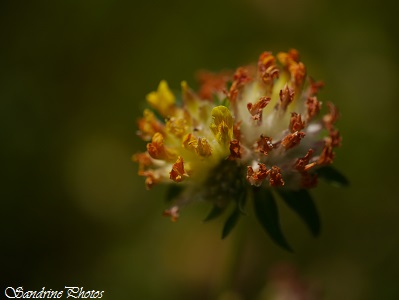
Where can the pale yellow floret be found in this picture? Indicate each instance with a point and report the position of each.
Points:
(163, 99)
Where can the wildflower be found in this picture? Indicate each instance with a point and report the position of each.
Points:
(251, 134)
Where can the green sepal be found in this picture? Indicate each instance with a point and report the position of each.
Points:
(302, 203)
(332, 176)
(173, 192)
(231, 222)
(225, 102)
(266, 212)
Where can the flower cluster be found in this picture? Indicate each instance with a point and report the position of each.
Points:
(255, 129)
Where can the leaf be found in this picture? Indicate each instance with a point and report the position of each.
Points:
(231, 222)
(241, 198)
(214, 213)
(173, 192)
(267, 214)
(241, 202)
(332, 176)
(302, 203)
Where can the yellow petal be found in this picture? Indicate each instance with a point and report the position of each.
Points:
(163, 99)
(222, 125)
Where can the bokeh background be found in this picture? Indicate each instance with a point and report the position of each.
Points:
(73, 80)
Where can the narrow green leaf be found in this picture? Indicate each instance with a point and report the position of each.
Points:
(214, 213)
(302, 203)
(173, 192)
(332, 176)
(230, 222)
(266, 212)
(241, 200)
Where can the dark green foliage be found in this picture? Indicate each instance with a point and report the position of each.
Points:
(302, 203)
(231, 222)
(332, 176)
(240, 201)
(230, 188)
(214, 213)
(267, 214)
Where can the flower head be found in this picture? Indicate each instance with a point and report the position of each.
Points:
(257, 129)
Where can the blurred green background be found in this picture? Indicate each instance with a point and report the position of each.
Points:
(73, 80)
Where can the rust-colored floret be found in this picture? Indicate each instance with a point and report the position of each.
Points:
(330, 118)
(313, 108)
(264, 145)
(292, 139)
(276, 179)
(150, 180)
(267, 68)
(235, 149)
(256, 109)
(315, 86)
(327, 154)
(256, 177)
(240, 78)
(296, 68)
(296, 123)
(298, 73)
(211, 83)
(237, 130)
(335, 137)
(302, 164)
(177, 173)
(172, 212)
(286, 97)
(288, 58)
(143, 159)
